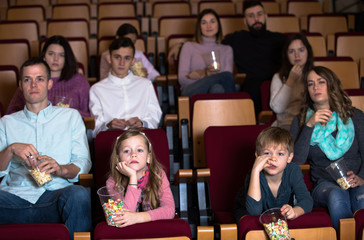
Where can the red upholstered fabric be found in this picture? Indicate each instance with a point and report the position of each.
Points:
(104, 143)
(229, 155)
(154, 229)
(359, 224)
(265, 93)
(309, 220)
(44, 231)
(355, 92)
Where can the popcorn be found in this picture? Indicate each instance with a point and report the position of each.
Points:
(40, 177)
(344, 184)
(277, 230)
(60, 104)
(110, 209)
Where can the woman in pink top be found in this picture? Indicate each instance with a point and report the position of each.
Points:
(134, 167)
(197, 72)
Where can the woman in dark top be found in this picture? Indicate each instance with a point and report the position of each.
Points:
(329, 128)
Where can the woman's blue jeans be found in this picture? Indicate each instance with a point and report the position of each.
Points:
(217, 83)
(70, 205)
(340, 203)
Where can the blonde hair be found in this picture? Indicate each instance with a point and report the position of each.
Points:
(155, 169)
(274, 136)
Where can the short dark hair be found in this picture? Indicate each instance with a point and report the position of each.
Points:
(125, 29)
(274, 136)
(198, 34)
(70, 62)
(32, 62)
(121, 43)
(249, 4)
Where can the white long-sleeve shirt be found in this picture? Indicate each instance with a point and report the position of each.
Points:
(285, 101)
(124, 98)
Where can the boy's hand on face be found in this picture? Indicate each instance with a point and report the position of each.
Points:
(261, 162)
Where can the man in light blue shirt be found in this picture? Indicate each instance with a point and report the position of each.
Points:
(54, 138)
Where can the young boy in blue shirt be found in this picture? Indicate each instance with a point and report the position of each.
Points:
(274, 182)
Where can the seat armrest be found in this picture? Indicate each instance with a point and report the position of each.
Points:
(347, 228)
(305, 168)
(82, 236)
(240, 78)
(205, 232)
(86, 180)
(228, 232)
(89, 122)
(265, 117)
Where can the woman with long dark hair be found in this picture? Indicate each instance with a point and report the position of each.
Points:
(67, 82)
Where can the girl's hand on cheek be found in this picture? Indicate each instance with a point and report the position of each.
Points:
(124, 169)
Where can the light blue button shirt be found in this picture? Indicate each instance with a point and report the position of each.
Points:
(56, 132)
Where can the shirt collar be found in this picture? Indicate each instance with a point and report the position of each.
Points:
(43, 113)
(121, 81)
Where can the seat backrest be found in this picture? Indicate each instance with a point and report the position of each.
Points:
(44, 3)
(271, 7)
(73, 1)
(122, 9)
(359, 223)
(163, 9)
(105, 42)
(350, 44)
(9, 76)
(344, 67)
(318, 44)
(69, 28)
(302, 9)
(283, 23)
(43, 231)
(356, 97)
(30, 12)
(222, 111)
(17, 51)
(176, 25)
(80, 50)
(71, 11)
(323, 233)
(232, 23)
(109, 26)
(168, 229)
(220, 7)
(104, 143)
(22, 30)
(327, 23)
(235, 147)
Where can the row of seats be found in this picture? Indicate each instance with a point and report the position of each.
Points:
(299, 8)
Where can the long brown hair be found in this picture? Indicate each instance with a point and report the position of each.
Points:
(339, 100)
(155, 168)
(286, 65)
